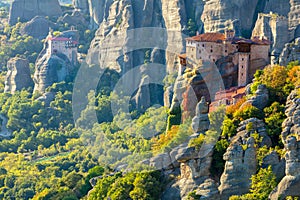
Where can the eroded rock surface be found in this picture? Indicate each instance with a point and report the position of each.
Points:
(25, 10)
(18, 75)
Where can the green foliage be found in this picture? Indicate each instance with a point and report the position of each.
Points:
(262, 184)
(192, 27)
(248, 111)
(136, 186)
(218, 163)
(274, 117)
(197, 142)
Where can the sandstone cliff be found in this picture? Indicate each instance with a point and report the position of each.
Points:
(25, 10)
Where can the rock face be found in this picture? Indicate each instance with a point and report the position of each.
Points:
(221, 14)
(38, 27)
(142, 98)
(239, 167)
(291, 52)
(51, 69)
(82, 5)
(290, 183)
(281, 7)
(25, 10)
(275, 28)
(260, 99)
(294, 14)
(18, 75)
(200, 122)
(74, 19)
(241, 164)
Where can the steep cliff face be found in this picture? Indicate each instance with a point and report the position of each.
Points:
(290, 183)
(281, 7)
(291, 52)
(221, 14)
(51, 69)
(275, 28)
(294, 14)
(25, 10)
(18, 75)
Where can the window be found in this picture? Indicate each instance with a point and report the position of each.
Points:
(242, 66)
(225, 50)
(203, 45)
(242, 59)
(211, 51)
(242, 74)
(214, 60)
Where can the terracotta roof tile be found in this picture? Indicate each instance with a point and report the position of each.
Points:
(208, 37)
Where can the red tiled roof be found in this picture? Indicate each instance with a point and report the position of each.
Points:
(208, 37)
(182, 56)
(62, 39)
(218, 37)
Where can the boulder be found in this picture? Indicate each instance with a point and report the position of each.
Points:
(18, 75)
(25, 10)
(291, 52)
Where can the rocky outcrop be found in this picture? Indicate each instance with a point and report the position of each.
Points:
(294, 13)
(260, 99)
(275, 28)
(241, 163)
(51, 69)
(18, 75)
(239, 167)
(81, 5)
(74, 19)
(291, 52)
(291, 124)
(142, 99)
(200, 122)
(290, 183)
(25, 10)
(38, 27)
(219, 15)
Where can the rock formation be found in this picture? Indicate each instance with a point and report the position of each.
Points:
(275, 28)
(25, 10)
(260, 99)
(74, 19)
(291, 124)
(82, 5)
(51, 69)
(294, 14)
(291, 52)
(38, 27)
(142, 98)
(18, 75)
(200, 122)
(239, 167)
(281, 7)
(218, 15)
(241, 163)
(290, 183)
